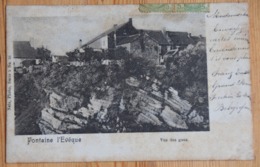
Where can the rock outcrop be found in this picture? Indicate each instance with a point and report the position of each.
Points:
(173, 119)
(63, 102)
(195, 118)
(148, 118)
(67, 114)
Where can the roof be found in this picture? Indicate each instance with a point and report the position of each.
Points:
(158, 36)
(197, 39)
(155, 35)
(180, 38)
(128, 39)
(24, 50)
(114, 28)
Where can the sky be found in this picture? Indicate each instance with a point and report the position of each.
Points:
(61, 34)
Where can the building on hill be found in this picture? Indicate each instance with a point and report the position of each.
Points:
(152, 44)
(110, 38)
(180, 39)
(197, 39)
(24, 54)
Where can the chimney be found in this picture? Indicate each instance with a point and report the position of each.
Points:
(115, 36)
(130, 21)
(32, 42)
(164, 31)
(189, 35)
(80, 43)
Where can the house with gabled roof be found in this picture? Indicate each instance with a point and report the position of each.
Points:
(183, 39)
(147, 43)
(110, 38)
(24, 54)
(152, 44)
(180, 39)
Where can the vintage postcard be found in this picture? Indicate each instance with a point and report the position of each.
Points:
(128, 82)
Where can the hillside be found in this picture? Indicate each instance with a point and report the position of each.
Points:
(133, 96)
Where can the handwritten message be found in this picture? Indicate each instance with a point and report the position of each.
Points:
(228, 61)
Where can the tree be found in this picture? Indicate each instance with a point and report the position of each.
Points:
(44, 54)
(85, 56)
(70, 56)
(120, 53)
(137, 66)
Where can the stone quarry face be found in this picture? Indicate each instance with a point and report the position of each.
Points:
(173, 119)
(64, 103)
(66, 114)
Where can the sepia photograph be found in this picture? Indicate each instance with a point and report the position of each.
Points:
(105, 73)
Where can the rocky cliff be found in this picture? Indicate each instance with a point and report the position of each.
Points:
(128, 110)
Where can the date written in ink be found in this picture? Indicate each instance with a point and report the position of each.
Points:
(173, 140)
